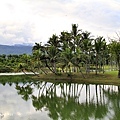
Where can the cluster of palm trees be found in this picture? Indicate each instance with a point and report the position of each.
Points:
(76, 51)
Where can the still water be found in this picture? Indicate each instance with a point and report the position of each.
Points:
(58, 101)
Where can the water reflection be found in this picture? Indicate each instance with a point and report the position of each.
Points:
(58, 101)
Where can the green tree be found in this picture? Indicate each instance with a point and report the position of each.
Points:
(99, 43)
(115, 51)
(86, 47)
(52, 53)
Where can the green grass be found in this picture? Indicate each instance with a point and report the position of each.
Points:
(15, 78)
(108, 78)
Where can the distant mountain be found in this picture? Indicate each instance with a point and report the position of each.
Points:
(15, 49)
(24, 44)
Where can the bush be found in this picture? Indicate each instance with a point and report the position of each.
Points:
(4, 69)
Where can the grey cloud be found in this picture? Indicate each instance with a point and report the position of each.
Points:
(13, 107)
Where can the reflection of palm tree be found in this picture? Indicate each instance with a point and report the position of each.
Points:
(114, 101)
(25, 91)
(65, 106)
(37, 102)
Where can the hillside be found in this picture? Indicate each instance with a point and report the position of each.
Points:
(15, 49)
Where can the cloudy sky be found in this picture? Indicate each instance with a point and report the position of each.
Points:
(30, 21)
(13, 107)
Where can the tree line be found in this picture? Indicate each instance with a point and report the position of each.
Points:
(77, 51)
(69, 52)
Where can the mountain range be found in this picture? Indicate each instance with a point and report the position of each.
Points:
(15, 49)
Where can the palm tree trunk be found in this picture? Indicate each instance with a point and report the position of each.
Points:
(118, 60)
(81, 72)
(96, 64)
(119, 73)
(55, 67)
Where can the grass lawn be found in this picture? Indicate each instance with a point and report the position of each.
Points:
(109, 78)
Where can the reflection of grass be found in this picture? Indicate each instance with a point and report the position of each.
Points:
(16, 78)
(106, 78)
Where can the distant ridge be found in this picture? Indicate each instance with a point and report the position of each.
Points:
(15, 49)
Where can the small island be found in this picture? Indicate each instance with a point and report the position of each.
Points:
(74, 56)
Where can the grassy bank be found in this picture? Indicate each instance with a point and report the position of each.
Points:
(15, 78)
(109, 78)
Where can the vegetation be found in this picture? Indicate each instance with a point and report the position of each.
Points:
(70, 53)
(77, 52)
(109, 78)
(67, 101)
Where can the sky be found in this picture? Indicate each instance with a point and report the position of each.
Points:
(30, 21)
(13, 107)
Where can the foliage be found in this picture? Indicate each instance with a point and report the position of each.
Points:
(69, 52)
(115, 51)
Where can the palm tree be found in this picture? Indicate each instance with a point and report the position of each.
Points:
(66, 58)
(52, 52)
(77, 59)
(37, 46)
(54, 41)
(115, 51)
(40, 56)
(65, 40)
(75, 35)
(98, 49)
(86, 47)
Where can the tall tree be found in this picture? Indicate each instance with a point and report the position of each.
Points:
(53, 49)
(86, 47)
(75, 36)
(115, 51)
(98, 49)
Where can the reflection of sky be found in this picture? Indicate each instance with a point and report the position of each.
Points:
(13, 107)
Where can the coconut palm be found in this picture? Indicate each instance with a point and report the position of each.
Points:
(54, 41)
(65, 40)
(53, 55)
(52, 50)
(115, 51)
(86, 47)
(66, 58)
(99, 43)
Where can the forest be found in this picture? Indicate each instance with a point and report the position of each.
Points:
(74, 51)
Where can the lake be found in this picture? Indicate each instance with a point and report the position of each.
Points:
(58, 101)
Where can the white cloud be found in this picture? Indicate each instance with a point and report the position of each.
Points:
(13, 107)
(100, 17)
(35, 21)
(15, 33)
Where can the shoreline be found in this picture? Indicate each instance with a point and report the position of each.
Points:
(17, 73)
(109, 78)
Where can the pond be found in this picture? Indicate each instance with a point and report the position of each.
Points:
(58, 101)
